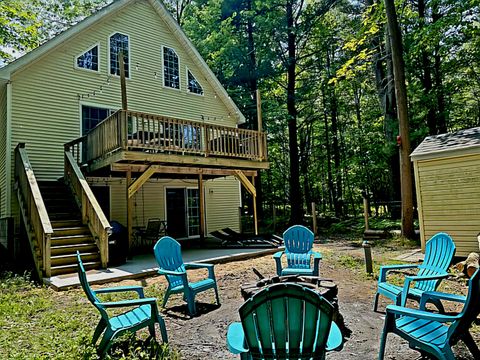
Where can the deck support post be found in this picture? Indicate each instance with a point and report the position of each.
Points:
(129, 211)
(255, 222)
(201, 199)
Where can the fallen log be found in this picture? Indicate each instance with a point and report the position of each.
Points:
(470, 265)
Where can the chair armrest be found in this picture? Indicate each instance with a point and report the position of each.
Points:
(410, 279)
(210, 267)
(316, 255)
(436, 295)
(125, 303)
(170, 272)
(197, 266)
(420, 314)
(278, 254)
(335, 338)
(236, 339)
(137, 289)
(278, 261)
(385, 269)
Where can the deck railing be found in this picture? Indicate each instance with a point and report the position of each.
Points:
(136, 131)
(92, 214)
(33, 209)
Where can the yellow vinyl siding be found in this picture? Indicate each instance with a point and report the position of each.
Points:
(46, 104)
(222, 201)
(449, 198)
(3, 149)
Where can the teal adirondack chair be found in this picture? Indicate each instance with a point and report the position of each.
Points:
(168, 254)
(284, 321)
(143, 312)
(439, 252)
(433, 333)
(298, 242)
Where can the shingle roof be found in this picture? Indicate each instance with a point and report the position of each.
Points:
(460, 140)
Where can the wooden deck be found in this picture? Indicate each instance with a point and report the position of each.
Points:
(140, 138)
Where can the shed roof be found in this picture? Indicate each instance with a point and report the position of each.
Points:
(450, 144)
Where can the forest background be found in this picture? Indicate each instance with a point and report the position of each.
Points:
(325, 74)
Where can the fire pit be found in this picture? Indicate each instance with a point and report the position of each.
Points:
(326, 288)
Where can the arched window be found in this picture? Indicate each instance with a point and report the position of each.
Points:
(171, 73)
(119, 42)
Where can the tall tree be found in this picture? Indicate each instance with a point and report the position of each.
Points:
(402, 111)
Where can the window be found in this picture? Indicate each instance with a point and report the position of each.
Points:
(92, 116)
(119, 42)
(89, 59)
(193, 85)
(171, 76)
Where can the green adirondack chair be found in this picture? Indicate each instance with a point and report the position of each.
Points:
(439, 252)
(298, 242)
(284, 321)
(143, 312)
(433, 333)
(168, 254)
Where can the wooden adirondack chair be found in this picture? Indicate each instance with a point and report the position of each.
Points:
(433, 333)
(298, 242)
(284, 321)
(143, 313)
(439, 252)
(169, 258)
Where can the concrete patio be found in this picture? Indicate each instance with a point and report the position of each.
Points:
(141, 266)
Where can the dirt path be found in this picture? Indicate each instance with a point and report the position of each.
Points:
(204, 337)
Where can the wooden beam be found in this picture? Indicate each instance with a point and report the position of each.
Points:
(245, 182)
(201, 199)
(129, 212)
(186, 170)
(194, 160)
(123, 82)
(255, 220)
(137, 184)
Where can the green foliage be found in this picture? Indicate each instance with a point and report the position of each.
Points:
(39, 323)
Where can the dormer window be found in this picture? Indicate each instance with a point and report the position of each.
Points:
(119, 42)
(171, 74)
(193, 84)
(88, 60)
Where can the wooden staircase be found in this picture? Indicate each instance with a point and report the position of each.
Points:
(69, 234)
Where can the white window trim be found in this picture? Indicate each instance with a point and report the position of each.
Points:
(90, 104)
(129, 56)
(163, 70)
(186, 77)
(99, 59)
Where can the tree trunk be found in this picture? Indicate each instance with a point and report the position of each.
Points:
(402, 112)
(331, 189)
(296, 215)
(442, 116)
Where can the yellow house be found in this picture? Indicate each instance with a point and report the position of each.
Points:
(447, 173)
(170, 149)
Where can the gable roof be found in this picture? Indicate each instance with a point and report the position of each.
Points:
(36, 54)
(450, 144)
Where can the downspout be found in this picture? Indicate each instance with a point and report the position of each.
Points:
(8, 150)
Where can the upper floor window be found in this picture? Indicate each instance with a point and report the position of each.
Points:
(171, 74)
(193, 85)
(89, 59)
(119, 42)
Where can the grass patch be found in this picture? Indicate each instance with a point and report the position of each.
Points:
(39, 323)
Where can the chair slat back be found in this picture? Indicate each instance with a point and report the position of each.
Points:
(439, 252)
(153, 227)
(286, 320)
(85, 285)
(168, 253)
(471, 309)
(298, 242)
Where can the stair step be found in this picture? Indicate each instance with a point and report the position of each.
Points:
(73, 248)
(71, 259)
(64, 215)
(71, 239)
(69, 269)
(65, 223)
(70, 230)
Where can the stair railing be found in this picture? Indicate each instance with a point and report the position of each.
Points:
(33, 209)
(92, 213)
